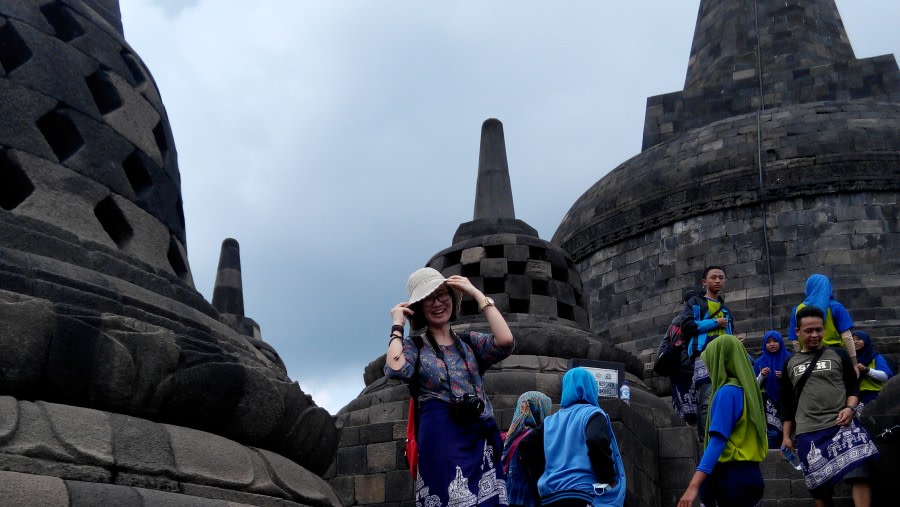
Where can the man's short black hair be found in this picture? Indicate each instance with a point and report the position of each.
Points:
(809, 311)
(707, 269)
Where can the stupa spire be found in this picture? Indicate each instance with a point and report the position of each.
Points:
(493, 194)
(228, 294)
(494, 212)
(790, 34)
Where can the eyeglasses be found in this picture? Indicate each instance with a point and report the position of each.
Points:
(442, 297)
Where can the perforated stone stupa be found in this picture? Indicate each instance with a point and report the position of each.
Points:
(536, 286)
(118, 382)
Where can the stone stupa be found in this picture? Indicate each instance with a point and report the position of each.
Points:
(538, 289)
(119, 382)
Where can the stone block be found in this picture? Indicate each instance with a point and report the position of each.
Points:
(515, 253)
(344, 488)
(539, 270)
(389, 412)
(519, 362)
(542, 305)
(549, 384)
(35, 437)
(677, 442)
(472, 255)
(369, 488)
(777, 488)
(85, 493)
(84, 430)
(398, 486)
(351, 460)
(303, 485)
(381, 457)
(378, 432)
(350, 435)
(28, 489)
(141, 445)
(513, 382)
(206, 458)
(493, 268)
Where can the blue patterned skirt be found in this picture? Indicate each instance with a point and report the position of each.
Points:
(459, 463)
(827, 455)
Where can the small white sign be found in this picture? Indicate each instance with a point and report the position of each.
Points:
(607, 381)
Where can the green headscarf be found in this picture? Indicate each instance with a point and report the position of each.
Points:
(726, 360)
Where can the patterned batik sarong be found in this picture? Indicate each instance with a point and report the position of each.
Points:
(827, 455)
(459, 463)
(774, 427)
(684, 396)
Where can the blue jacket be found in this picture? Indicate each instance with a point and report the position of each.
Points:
(570, 466)
(699, 326)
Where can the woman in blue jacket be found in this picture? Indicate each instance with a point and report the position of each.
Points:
(574, 453)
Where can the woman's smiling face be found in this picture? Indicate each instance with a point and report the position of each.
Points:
(438, 306)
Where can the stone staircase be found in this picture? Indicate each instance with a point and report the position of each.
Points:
(785, 486)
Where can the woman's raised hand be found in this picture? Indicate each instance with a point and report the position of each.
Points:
(463, 285)
(400, 313)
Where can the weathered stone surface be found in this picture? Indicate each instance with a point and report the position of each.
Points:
(87, 432)
(94, 248)
(30, 324)
(86, 493)
(304, 487)
(210, 459)
(34, 436)
(27, 489)
(141, 446)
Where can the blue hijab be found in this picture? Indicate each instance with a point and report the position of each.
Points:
(866, 354)
(774, 361)
(578, 386)
(819, 292)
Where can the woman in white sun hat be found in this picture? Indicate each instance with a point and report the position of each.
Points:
(458, 440)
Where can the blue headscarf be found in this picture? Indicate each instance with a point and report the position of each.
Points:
(774, 361)
(578, 386)
(867, 354)
(532, 408)
(818, 292)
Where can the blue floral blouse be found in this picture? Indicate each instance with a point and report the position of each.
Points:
(463, 373)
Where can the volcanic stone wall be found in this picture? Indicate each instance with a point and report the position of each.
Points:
(831, 171)
(85, 143)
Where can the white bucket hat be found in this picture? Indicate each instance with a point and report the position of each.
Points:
(423, 282)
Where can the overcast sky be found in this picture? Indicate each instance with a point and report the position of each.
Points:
(337, 141)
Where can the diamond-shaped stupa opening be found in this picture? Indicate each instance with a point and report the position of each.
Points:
(61, 134)
(15, 51)
(114, 222)
(137, 173)
(64, 24)
(15, 186)
(104, 91)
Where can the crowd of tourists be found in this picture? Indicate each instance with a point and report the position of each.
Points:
(801, 395)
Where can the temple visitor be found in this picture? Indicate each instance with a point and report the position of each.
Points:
(838, 323)
(874, 370)
(531, 409)
(768, 373)
(573, 456)
(728, 474)
(818, 403)
(458, 439)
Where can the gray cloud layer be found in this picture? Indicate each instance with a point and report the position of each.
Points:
(338, 141)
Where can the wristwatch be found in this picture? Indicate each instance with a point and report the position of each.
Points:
(485, 303)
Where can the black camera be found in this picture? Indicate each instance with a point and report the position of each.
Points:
(467, 407)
